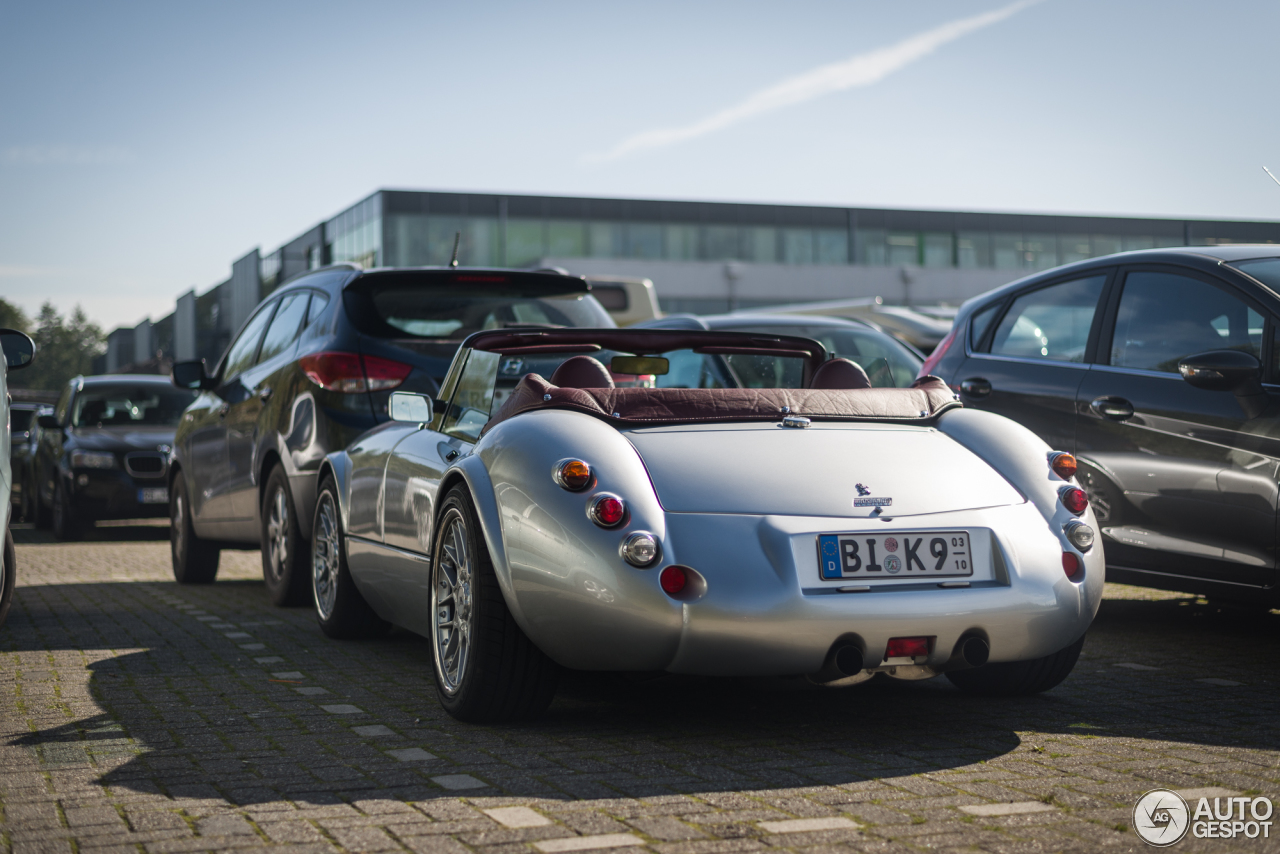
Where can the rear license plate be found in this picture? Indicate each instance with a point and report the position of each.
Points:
(153, 495)
(901, 555)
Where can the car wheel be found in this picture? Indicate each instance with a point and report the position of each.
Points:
(39, 513)
(195, 561)
(65, 524)
(8, 575)
(1018, 678)
(26, 507)
(340, 609)
(1104, 497)
(486, 669)
(284, 551)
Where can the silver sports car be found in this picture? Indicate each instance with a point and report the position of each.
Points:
(701, 502)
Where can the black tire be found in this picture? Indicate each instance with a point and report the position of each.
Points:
(1018, 678)
(8, 575)
(40, 514)
(1106, 499)
(340, 609)
(494, 673)
(66, 524)
(195, 561)
(285, 554)
(26, 506)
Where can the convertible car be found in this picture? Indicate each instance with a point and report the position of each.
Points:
(764, 512)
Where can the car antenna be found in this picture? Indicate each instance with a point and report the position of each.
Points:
(1273, 177)
(457, 238)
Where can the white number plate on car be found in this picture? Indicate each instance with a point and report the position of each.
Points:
(153, 495)
(897, 556)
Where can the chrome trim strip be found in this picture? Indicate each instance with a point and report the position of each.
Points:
(347, 540)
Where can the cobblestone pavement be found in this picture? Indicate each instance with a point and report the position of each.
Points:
(139, 715)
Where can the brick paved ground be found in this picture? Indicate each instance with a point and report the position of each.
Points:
(143, 716)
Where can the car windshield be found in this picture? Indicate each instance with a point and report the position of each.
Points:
(20, 419)
(130, 406)
(888, 364)
(415, 312)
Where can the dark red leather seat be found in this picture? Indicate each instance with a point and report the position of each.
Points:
(583, 372)
(839, 374)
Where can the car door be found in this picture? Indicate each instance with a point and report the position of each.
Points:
(250, 427)
(239, 417)
(1182, 480)
(1028, 364)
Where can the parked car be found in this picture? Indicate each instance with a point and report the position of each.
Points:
(18, 351)
(25, 438)
(818, 527)
(309, 371)
(916, 327)
(104, 452)
(1160, 371)
(889, 363)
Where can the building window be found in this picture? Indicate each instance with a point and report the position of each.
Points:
(870, 246)
(904, 248)
(833, 246)
(524, 242)
(797, 246)
(566, 239)
(680, 242)
(939, 249)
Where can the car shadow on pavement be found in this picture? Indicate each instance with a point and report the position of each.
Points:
(128, 531)
(190, 710)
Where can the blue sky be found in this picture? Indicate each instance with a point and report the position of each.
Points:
(143, 146)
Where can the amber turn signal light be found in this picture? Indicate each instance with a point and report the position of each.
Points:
(1063, 465)
(572, 474)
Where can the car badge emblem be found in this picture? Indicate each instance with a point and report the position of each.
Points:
(862, 489)
(512, 366)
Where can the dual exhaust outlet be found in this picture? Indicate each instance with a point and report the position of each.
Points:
(847, 658)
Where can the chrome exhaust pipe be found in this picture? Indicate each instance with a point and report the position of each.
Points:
(975, 651)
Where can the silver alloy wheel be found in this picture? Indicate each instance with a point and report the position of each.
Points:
(324, 557)
(452, 603)
(278, 533)
(177, 529)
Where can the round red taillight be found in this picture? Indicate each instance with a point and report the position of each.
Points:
(573, 474)
(1063, 465)
(673, 579)
(607, 510)
(1070, 564)
(1074, 499)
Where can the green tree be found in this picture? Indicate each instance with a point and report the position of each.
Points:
(65, 347)
(12, 317)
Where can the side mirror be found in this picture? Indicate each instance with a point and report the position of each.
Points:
(48, 422)
(18, 348)
(409, 407)
(190, 375)
(1223, 370)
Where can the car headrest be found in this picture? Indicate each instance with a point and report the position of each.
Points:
(839, 374)
(581, 372)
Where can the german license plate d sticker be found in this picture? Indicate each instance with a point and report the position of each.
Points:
(905, 554)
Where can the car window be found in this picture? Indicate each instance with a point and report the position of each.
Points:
(319, 302)
(469, 409)
(981, 320)
(130, 406)
(64, 403)
(241, 354)
(395, 310)
(1050, 323)
(687, 369)
(887, 363)
(20, 420)
(1164, 317)
(285, 326)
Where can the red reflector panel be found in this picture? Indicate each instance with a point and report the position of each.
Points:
(673, 579)
(334, 371)
(385, 373)
(608, 510)
(907, 647)
(1075, 500)
(1070, 564)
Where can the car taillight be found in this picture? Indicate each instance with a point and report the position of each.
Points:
(573, 475)
(1070, 564)
(673, 579)
(606, 510)
(907, 647)
(1074, 499)
(1063, 464)
(938, 352)
(351, 373)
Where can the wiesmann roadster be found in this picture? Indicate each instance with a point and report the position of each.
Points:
(764, 512)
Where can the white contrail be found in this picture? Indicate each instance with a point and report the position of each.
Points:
(861, 70)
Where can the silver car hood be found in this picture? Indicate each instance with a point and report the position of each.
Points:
(816, 471)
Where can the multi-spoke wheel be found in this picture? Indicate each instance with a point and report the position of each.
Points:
(195, 561)
(284, 551)
(486, 668)
(340, 609)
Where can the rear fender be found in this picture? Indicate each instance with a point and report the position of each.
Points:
(339, 465)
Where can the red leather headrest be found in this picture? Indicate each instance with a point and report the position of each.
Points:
(583, 372)
(839, 374)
